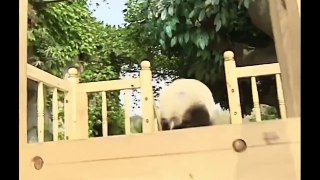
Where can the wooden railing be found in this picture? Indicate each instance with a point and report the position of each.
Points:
(76, 101)
(233, 73)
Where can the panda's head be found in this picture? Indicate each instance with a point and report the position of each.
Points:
(186, 103)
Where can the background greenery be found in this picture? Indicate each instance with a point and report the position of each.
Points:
(181, 38)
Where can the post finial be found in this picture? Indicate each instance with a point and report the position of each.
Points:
(228, 56)
(73, 72)
(145, 65)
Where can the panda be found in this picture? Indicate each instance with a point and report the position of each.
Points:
(186, 103)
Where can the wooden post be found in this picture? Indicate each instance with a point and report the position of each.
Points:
(232, 87)
(76, 121)
(286, 26)
(23, 158)
(147, 98)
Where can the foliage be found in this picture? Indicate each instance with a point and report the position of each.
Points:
(193, 35)
(65, 35)
(193, 30)
(136, 124)
(267, 113)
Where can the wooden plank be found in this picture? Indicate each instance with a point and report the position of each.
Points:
(180, 141)
(262, 162)
(258, 70)
(109, 85)
(272, 145)
(286, 24)
(39, 75)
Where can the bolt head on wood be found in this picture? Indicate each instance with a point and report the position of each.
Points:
(239, 145)
(38, 162)
(145, 65)
(228, 55)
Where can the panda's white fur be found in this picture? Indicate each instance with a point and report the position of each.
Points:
(186, 103)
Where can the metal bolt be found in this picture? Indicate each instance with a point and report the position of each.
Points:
(38, 162)
(239, 145)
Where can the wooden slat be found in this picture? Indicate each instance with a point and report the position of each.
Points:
(255, 98)
(40, 112)
(41, 76)
(55, 117)
(258, 70)
(104, 114)
(127, 110)
(282, 105)
(109, 85)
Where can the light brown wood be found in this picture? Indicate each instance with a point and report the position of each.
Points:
(258, 70)
(112, 85)
(41, 76)
(148, 123)
(232, 88)
(67, 114)
(40, 112)
(177, 154)
(255, 97)
(23, 159)
(282, 105)
(55, 113)
(234, 73)
(83, 115)
(127, 111)
(104, 114)
(286, 26)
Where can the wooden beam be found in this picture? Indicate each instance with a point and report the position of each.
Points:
(23, 162)
(286, 31)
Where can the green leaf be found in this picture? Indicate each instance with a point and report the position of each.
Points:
(186, 37)
(180, 39)
(192, 14)
(215, 2)
(169, 31)
(203, 40)
(202, 14)
(246, 3)
(170, 10)
(217, 22)
(164, 14)
(208, 2)
(173, 41)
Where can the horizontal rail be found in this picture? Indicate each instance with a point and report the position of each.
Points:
(39, 75)
(258, 70)
(109, 85)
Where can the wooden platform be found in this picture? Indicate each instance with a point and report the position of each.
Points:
(273, 153)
